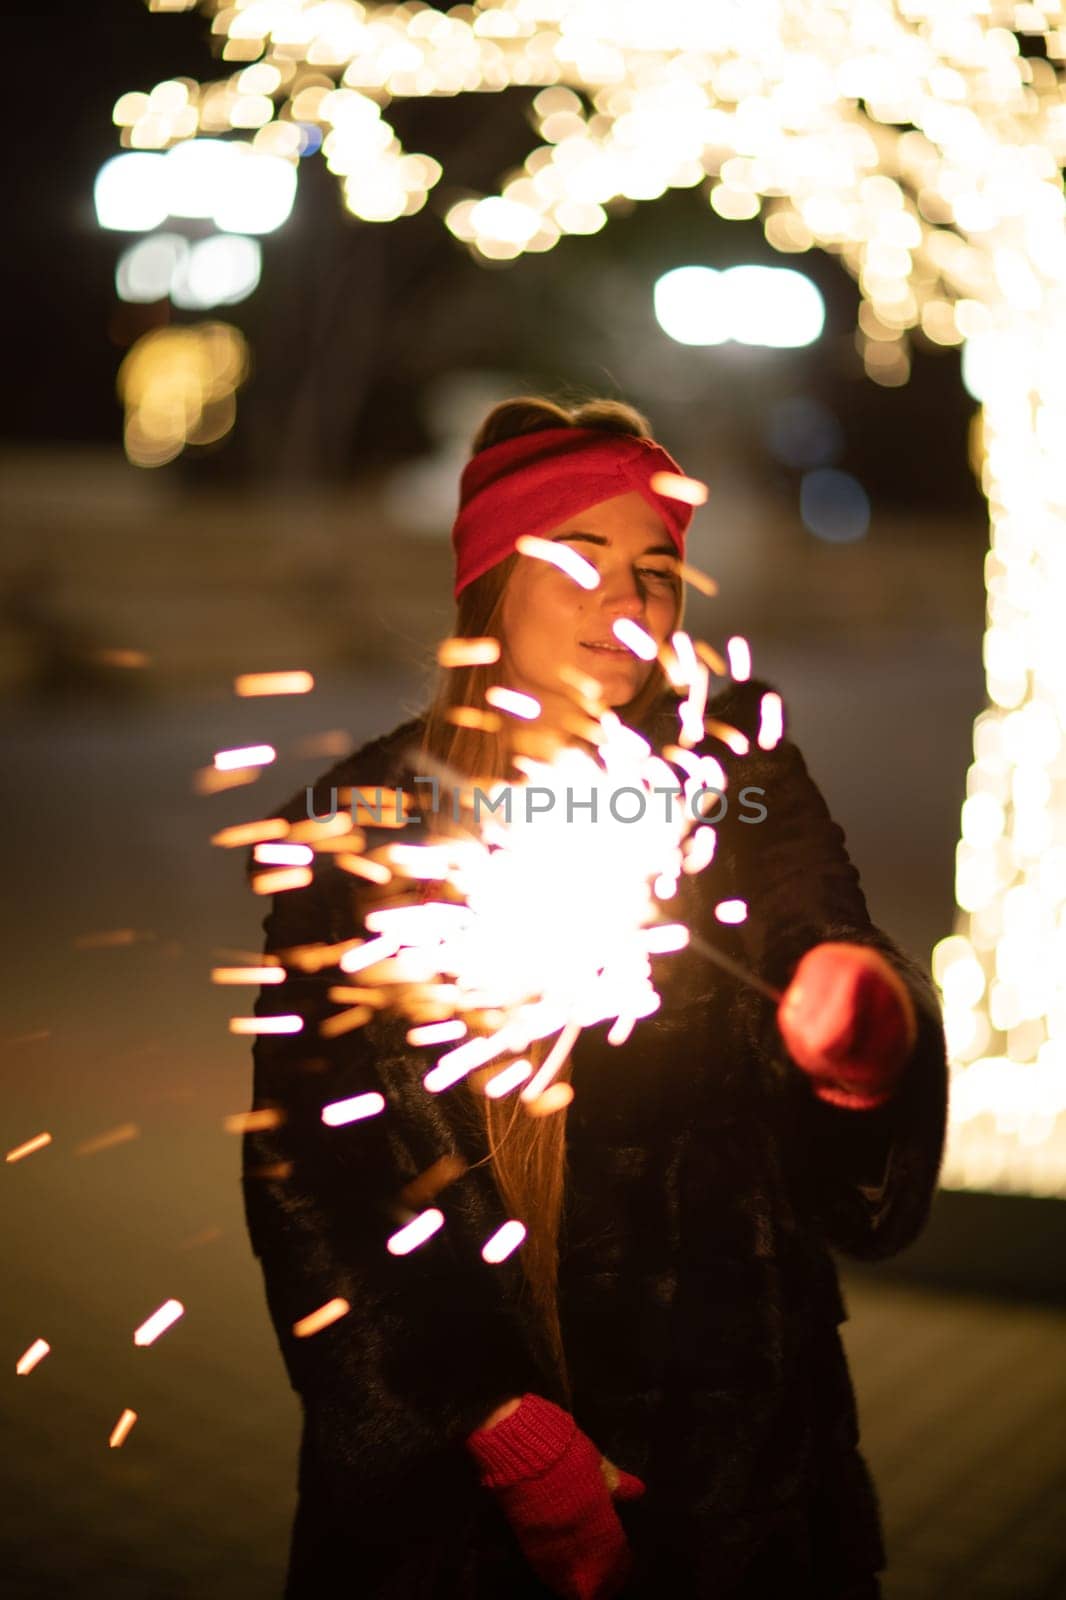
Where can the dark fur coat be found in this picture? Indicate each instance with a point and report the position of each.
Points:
(699, 1300)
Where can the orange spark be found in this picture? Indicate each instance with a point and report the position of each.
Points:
(327, 833)
(460, 652)
(340, 844)
(590, 689)
(283, 878)
(158, 1323)
(112, 938)
(455, 1064)
(512, 700)
(367, 952)
(737, 741)
(771, 721)
(121, 1429)
(285, 1024)
(344, 1022)
(701, 848)
(249, 755)
(635, 638)
(561, 556)
(248, 975)
(710, 658)
(437, 1032)
(283, 855)
(256, 683)
(315, 1321)
(208, 781)
(470, 717)
(205, 1236)
(276, 1169)
(698, 580)
(253, 1121)
(738, 651)
(251, 832)
(508, 1079)
(340, 1112)
(505, 1240)
(554, 1098)
(27, 1149)
(446, 1169)
(122, 658)
(553, 1062)
(29, 1358)
(691, 491)
(360, 867)
(415, 1232)
(351, 996)
(104, 1141)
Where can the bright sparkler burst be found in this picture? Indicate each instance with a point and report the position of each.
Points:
(552, 916)
(549, 900)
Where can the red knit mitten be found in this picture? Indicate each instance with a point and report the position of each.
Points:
(548, 1480)
(848, 1021)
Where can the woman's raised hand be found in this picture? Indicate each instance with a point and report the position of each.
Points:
(848, 1021)
(555, 1489)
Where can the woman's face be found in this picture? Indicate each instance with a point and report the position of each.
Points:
(549, 621)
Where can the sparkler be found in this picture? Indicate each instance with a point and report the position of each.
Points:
(518, 929)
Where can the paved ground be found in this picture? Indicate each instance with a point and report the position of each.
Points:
(961, 1402)
(961, 1398)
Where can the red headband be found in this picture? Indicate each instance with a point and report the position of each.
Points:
(534, 482)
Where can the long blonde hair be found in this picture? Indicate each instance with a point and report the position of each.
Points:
(527, 1153)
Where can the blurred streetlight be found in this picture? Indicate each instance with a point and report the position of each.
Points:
(772, 306)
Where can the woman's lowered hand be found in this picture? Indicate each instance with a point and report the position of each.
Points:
(848, 1022)
(555, 1489)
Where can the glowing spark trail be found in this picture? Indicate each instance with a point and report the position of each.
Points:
(260, 683)
(504, 1241)
(562, 556)
(315, 1321)
(38, 1142)
(354, 1109)
(675, 487)
(415, 1232)
(468, 652)
(120, 1432)
(158, 1323)
(253, 755)
(29, 1358)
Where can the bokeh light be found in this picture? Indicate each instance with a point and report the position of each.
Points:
(241, 189)
(772, 306)
(834, 505)
(178, 386)
(146, 270)
(219, 271)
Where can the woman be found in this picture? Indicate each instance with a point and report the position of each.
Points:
(650, 1396)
